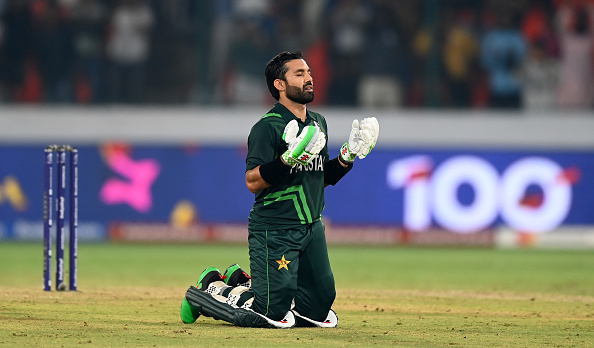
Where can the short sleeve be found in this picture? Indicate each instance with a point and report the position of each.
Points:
(262, 145)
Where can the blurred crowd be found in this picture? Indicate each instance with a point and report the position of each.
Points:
(515, 54)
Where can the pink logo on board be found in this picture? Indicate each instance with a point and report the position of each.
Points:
(136, 191)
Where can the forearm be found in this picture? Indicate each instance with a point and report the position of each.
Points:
(334, 170)
(254, 181)
(266, 175)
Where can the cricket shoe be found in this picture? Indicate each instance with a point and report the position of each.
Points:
(211, 275)
(303, 321)
(235, 276)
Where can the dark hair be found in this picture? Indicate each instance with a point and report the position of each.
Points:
(276, 69)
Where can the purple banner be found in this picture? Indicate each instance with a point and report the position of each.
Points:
(416, 189)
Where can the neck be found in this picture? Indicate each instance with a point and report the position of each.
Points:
(299, 110)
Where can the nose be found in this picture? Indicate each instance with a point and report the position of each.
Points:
(308, 77)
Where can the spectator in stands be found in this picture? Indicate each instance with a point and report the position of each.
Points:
(576, 35)
(287, 35)
(128, 49)
(540, 78)
(351, 44)
(89, 18)
(459, 57)
(212, 89)
(537, 25)
(313, 21)
(502, 54)
(251, 45)
(380, 85)
(250, 49)
(53, 42)
(540, 71)
(348, 19)
(14, 48)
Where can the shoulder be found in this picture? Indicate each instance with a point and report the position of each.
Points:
(269, 123)
(316, 116)
(271, 119)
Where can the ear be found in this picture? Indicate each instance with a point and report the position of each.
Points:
(279, 84)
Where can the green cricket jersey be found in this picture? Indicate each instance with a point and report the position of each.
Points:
(299, 198)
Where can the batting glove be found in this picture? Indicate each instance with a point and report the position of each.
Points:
(361, 141)
(370, 132)
(304, 147)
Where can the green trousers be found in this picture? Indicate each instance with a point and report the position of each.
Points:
(291, 264)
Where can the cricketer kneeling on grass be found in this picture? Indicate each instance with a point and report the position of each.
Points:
(287, 168)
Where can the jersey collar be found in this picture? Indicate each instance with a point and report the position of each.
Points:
(288, 115)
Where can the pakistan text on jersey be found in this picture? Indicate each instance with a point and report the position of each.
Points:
(317, 164)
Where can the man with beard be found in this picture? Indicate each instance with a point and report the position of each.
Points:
(287, 168)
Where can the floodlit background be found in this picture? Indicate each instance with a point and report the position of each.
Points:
(485, 110)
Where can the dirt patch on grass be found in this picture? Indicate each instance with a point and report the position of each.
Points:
(496, 295)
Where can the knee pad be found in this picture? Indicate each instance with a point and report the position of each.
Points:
(216, 306)
(239, 296)
(210, 306)
(216, 288)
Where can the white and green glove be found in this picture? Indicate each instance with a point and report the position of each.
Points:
(361, 141)
(303, 147)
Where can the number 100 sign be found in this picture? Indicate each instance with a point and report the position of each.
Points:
(432, 193)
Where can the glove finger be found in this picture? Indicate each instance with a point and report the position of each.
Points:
(290, 133)
(375, 126)
(303, 139)
(372, 124)
(354, 143)
(319, 144)
(355, 125)
(368, 142)
(313, 140)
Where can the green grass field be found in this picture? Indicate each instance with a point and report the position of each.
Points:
(129, 295)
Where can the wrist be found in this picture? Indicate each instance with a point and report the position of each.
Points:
(288, 159)
(285, 160)
(334, 170)
(291, 159)
(346, 157)
(343, 163)
(275, 171)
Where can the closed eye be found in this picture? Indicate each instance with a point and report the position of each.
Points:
(302, 72)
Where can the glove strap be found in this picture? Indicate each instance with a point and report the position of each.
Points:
(293, 159)
(346, 157)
